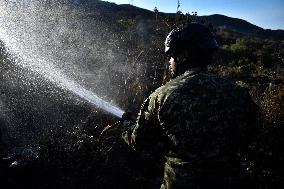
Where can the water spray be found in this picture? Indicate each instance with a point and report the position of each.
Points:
(26, 36)
(57, 77)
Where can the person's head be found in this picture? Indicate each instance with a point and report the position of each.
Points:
(190, 46)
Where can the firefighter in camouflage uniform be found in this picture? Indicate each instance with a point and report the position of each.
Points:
(198, 120)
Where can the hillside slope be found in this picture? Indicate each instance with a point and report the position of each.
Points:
(217, 20)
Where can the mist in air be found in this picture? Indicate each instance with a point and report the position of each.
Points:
(56, 43)
(61, 63)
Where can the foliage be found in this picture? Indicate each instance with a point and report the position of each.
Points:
(75, 156)
(239, 46)
(272, 103)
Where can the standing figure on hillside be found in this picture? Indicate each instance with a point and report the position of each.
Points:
(198, 120)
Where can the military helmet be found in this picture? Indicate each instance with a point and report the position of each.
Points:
(190, 36)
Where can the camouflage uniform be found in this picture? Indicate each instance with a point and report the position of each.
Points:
(198, 122)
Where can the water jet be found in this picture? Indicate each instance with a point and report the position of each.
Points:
(48, 41)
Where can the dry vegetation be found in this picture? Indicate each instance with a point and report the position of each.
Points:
(78, 158)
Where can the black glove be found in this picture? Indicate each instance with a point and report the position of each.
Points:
(128, 116)
(128, 120)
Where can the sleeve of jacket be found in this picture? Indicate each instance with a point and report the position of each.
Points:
(146, 134)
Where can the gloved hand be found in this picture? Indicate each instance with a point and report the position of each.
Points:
(128, 120)
(128, 116)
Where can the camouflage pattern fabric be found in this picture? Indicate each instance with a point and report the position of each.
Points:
(199, 122)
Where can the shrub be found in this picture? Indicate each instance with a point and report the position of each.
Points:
(272, 103)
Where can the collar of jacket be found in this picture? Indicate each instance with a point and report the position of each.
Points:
(194, 70)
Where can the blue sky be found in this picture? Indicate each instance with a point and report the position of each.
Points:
(268, 14)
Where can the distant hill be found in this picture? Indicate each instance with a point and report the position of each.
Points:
(112, 9)
(242, 26)
(217, 20)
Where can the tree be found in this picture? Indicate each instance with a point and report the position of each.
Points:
(178, 6)
(156, 11)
